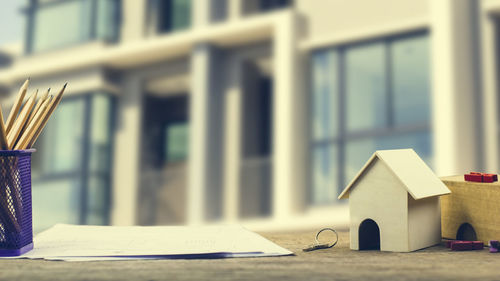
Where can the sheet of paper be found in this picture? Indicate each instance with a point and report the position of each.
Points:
(81, 242)
(126, 258)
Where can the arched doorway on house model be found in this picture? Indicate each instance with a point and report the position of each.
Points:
(369, 235)
(466, 232)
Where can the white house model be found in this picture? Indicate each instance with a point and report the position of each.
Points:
(394, 203)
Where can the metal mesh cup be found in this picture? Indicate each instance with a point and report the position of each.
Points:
(16, 227)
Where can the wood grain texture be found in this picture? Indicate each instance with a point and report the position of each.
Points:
(471, 202)
(16, 106)
(32, 127)
(39, 103)
(20, 121)
(48, 112)
(338, 263)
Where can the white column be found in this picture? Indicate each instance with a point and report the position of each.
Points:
(200, 10)
(205, 156)
(490, 91)
(284, 118)
(233, 134)
(234, 9)
(453, 93)
(134, 20)
(126, 169)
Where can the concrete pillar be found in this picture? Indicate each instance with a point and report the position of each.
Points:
(456, 122)
(133, 20)
(490, 90)
(233, 135)
(284, 118)
(201, 13)
(205, 160)
(234, 9)
(126, 156)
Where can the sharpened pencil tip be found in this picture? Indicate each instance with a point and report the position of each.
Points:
(65, 84)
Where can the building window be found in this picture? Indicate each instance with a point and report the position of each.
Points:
(169, 15)
(218, 10)
(68, 22)
(71, 168)
(176, 141)
(367, 97)
(258, 6)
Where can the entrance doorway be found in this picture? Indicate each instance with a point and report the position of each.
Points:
(165, 139)
(256, 167)
(466, 232)
(369, 235)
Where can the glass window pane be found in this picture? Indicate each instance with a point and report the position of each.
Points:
(56, 201)
(181, 14)
(219, 10)
(70, 21)
(359, 151)
(324, 94)
(356, 154)
(97, 196)
(171, 15)
(325, 174)
(410, 80)
(63, 138)
(100, 134)
(177, 142)
(421, 142)
(365, 87)
(59, 155)
(107, 26)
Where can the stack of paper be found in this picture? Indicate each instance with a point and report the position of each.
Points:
(85, 243)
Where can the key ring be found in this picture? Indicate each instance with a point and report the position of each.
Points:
(330, 229)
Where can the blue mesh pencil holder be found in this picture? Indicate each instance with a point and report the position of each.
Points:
(16, 227)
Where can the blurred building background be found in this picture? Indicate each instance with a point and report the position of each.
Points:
(256, 112)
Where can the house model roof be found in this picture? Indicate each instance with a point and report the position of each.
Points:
(410, 169)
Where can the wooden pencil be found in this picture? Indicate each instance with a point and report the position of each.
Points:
(21, 119)
(34, 111)
(4, 145)
(50, 109)
(16, 106)
(39, 103)
(38, 129)
(32, 127)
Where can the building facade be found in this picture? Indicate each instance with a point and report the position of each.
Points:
(249, 111)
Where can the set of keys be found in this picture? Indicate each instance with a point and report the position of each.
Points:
(318, 245)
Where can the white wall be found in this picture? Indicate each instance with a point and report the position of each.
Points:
(323, 18)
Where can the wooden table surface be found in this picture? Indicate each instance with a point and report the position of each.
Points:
(338, 263)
